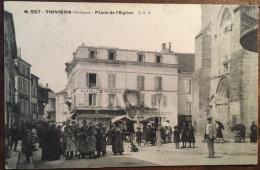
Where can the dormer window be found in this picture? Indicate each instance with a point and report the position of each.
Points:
(92, 53)
(158, 59)
(112, 55)
(140, 57)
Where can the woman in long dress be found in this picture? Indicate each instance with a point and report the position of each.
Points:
(191, 136)
(82, 148)
(117, 142)
(70, 143)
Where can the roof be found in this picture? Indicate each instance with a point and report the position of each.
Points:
(186, 62)
(33, 75)
(62, 91)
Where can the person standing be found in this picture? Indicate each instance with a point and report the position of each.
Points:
(253, 134)
(117, 142)
(27, 144)
(91, 144)
(211, 134)
(70, 143)
(184, 135)
(104, 141)
(176, 137)
(139, 136)
(98, 139)
(191, 136)
(14, 136)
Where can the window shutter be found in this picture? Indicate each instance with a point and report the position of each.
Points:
(87, 81)
(138, 82)
(99, 99)
(143, 82)
(117, 101)
(86, 99)
(94, 102)
(160, 83)
(153, 100)
(155, 83)
(164, 101)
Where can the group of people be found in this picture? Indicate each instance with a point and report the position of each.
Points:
(185, 134)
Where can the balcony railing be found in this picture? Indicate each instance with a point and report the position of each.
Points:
(249, 27)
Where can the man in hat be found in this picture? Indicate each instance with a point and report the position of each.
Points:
(211, 134)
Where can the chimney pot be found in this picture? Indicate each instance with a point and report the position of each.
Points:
(46, 84)
(83, 44)
(163, 46)
(170, 46)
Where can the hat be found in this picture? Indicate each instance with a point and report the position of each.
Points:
(138, 128)
(73, 122)
(209, 118)
(84, 121)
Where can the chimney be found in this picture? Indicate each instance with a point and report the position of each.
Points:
(83, 44)
(19, 52)
(170, 46)
(163, 46)
(46, 84)
(74, 54)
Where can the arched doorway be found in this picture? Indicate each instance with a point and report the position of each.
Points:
(222, 101)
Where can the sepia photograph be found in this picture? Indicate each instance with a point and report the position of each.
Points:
(98, 85)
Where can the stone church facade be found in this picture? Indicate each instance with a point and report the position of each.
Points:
(225, 78)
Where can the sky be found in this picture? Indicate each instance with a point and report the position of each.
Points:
(47, 40)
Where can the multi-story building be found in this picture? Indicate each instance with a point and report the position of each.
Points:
(23, 87)
(34, 96)
(10, 53)
(225, 77)
(62, 110)
(186, 69)
(50, 107)
(42, 95)
(104, 82)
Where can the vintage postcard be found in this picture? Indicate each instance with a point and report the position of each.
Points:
(91, 85)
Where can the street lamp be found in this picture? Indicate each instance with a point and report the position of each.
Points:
(158, 97)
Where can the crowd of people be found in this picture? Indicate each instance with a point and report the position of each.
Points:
(70, 140)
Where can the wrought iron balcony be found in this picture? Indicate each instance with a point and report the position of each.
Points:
(249, 28)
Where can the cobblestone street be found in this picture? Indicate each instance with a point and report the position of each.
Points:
(167, 155)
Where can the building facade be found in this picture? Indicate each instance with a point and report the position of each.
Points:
(50, 107)
(225, 76)
(23, 88)
(62, 110)
(10, 53)
(34, 96)
(186, 69)
(42, 94)
(106, 82)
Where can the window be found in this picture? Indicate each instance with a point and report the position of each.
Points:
(112, 100)
(92, 80)
(26, 107)
(187, 85)
(92, 99)
(158, 59)
(140, 100)
(188, 108)
(92, 54)
(28, 72)
(25, 87)
(111, 54)
(24, 70)
(140, 58)
(21, 106)
(140, 82)
(20, 84)
(111, 80)
(158, 82)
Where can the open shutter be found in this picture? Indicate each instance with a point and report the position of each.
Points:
(87, 82)
(114, 81)
(159, 83)
(138, 82)
(143, 82)
(155, 83)
(86, 99)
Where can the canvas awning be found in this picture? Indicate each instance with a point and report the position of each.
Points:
(122, 118)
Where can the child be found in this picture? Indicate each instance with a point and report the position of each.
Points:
(27, 144)
(133, 147)
(176, 139)
(139, 136)
(70, 143)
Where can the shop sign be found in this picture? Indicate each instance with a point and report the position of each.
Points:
(114, 91)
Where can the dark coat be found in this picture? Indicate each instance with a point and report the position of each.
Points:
(184, 134)
(190, 136)
(53, 144)
(176, 137)
(139, 136)
(117, 142)
(27, 145)
(253, 135)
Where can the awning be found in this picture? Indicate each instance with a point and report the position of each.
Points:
(121, 118)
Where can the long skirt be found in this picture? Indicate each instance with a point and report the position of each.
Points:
(82, 147)
(117, 144)
(70, 145)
